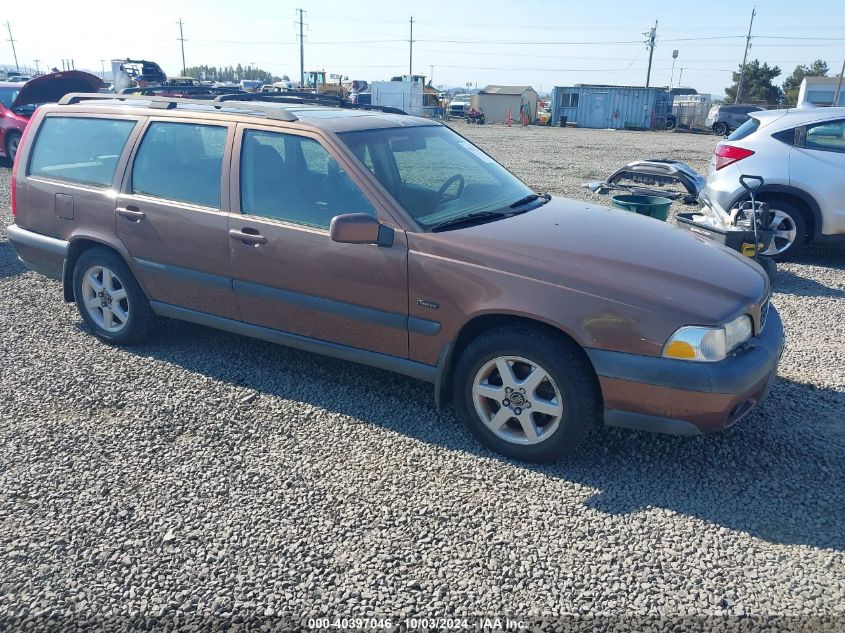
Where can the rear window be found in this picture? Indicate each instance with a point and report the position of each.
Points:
(8, 95)
(746, 129)
(79, 150)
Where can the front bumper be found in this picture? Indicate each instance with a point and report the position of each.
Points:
(684, 398)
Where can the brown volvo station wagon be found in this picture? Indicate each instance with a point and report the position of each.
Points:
(392, 241)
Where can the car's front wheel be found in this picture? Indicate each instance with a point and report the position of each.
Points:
(13, 139)
(109, 298)
(526, 393)
(720, 129)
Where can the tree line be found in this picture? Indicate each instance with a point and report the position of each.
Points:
(232, 73)
(758, 83)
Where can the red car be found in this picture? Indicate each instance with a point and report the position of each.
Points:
(19, 100)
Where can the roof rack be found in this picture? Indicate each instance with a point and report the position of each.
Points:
(199, 90)
(304, 98)
(170, 103)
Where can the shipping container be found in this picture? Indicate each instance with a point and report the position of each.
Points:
(613, 107)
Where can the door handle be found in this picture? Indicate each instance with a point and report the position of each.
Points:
(132, 214)
(248, 236)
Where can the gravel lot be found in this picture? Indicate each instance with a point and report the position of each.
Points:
(208, 477)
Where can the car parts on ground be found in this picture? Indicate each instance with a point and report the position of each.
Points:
(654, 177)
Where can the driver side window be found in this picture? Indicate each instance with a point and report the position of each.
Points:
(294, 179)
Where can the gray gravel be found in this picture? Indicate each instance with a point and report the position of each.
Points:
(204, 475)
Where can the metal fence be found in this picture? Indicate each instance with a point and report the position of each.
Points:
(690, 114)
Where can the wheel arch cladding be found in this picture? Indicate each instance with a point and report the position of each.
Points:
(76, 248)
(477, 326)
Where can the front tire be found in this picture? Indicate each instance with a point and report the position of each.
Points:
(526, 393)
(720, 129)
(13, 140)
(109, 298)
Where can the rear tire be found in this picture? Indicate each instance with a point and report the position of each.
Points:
(13, 139)
(526, 393)
(720, 129)
(790, 226)
(109, 298)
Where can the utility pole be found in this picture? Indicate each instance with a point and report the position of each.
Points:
(301, 53)
(839, 86)
(672, 78)
(12, 42)
(652, 35)
(411, 58)
(37, 69)
(103, 68)
(182, 40)
(745, 57)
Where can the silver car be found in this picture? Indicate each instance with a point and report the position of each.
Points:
(800, 152)
(726, 118)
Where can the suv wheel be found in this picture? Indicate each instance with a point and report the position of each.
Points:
(790, 229)
(13, 139)
(109, 299)
(720, 129)
(525, 393)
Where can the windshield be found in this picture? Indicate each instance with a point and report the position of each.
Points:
(8, 96)
(435, 174)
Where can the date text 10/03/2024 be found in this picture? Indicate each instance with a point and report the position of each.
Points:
(415, 623)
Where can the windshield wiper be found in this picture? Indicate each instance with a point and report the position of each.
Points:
(531, 197)
(472, 218)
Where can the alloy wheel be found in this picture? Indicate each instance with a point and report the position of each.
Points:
(785, 233)
(13, 147)
(105, 300)
(517, 400)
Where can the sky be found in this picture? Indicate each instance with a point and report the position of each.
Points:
(543, 44)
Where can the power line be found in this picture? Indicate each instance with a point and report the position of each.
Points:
(182, 40)
(12, 42)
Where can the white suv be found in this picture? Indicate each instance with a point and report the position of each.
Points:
(800, 153)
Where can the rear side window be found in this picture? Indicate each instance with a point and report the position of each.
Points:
(746, 129)
(79, 150)
(827, 137)
(181, 162)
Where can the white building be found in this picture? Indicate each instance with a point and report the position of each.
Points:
(820, 91)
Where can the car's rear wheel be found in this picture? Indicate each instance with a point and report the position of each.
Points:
(790, 227)
(13, 139)
(109, 298)
(720, 129)
(526, 393)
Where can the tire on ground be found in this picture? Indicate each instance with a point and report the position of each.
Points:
(798, 218)
(140, 315)
(565, 362)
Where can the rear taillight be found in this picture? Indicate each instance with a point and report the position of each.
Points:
(14, 190)
(729, 154)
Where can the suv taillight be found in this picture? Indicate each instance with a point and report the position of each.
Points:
(728, 154)
(14, 190)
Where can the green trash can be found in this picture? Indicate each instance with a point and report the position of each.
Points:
(655, 207)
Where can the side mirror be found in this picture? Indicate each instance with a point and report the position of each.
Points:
(360, 228)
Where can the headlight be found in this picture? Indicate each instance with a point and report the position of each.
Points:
(708, 344)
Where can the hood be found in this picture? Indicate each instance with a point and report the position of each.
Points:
(50, 88)
(648, 265)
